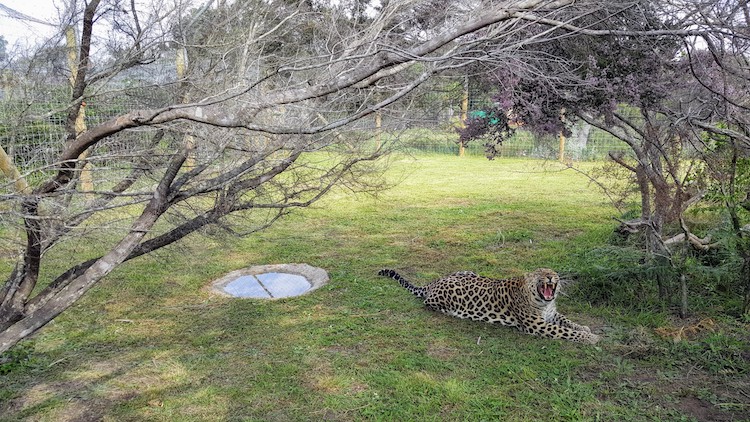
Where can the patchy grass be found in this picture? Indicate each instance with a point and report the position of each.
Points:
(149, 343)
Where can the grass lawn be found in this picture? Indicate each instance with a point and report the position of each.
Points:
(150, 343)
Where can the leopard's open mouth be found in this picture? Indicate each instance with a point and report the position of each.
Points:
(546, 290)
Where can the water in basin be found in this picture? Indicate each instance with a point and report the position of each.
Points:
(268, 285)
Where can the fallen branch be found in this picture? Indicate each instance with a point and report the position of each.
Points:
(703, 244)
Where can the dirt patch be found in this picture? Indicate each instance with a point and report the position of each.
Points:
(357, 387)
(693, 392)
(441, 352)
(352, 350)
(78, 403)
(38, 394)
(703, 410)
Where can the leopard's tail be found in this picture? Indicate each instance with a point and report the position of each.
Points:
(416, 291)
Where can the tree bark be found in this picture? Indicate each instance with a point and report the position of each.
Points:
(72, 291)
(683, 296)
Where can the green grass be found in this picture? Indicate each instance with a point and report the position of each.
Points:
(149, 343)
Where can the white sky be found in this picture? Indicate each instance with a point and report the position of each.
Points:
(27, 33)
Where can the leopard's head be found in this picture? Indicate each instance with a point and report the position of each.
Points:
(544, 283)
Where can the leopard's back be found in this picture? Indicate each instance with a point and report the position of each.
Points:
(468, 295)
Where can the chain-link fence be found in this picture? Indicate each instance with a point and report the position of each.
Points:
(429, 120)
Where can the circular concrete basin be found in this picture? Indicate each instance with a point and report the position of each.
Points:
(270, 281)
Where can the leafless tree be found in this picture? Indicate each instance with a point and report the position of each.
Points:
(247, 109)
(256, 113)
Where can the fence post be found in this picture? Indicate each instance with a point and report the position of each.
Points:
(86, 178)
(464, 113)
(181, 65)
(561, 153)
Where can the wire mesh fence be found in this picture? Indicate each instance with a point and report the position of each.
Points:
(433, 130)
(33, 130)
(33, 133)
(39, 141)
(596, 146)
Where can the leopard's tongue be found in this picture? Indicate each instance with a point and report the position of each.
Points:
(548, 292)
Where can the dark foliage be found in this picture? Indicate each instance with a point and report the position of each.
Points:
(574, 73)
(493, 126)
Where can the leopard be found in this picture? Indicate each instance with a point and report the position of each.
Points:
(526, 303)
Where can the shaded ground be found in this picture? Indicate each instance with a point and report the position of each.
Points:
(631, 370)
(643, 369)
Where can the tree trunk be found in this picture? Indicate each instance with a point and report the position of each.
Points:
(745, 277)
(69, 294)
(683, 296)
(11, 172)
(54, 303)
(578, 140)
(79, 127)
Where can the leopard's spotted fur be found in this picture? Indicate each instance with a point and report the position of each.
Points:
(527, 303)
